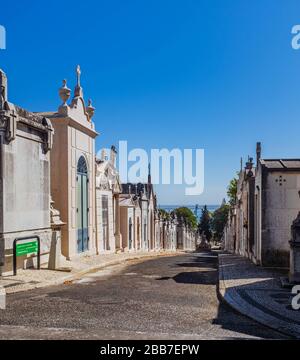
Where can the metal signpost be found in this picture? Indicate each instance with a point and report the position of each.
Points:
(26, 248)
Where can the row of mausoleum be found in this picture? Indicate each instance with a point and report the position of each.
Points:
(260, 224)
(53, 187)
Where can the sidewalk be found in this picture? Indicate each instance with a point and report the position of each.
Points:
(257, 293)
(31, 278)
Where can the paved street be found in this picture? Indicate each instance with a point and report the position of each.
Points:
(170, 297)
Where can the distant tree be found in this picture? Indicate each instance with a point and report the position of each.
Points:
(164, 214)
(205, 223)
(219, 219)
(187, 215)
(232, 191)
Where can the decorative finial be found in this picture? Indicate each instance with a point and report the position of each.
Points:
(90, 109)
(149, 173)
(64, 93)
(258, 152)
(113, 155)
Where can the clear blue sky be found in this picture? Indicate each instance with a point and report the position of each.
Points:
(210, 74)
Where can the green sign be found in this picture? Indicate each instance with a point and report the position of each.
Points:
(27, 248)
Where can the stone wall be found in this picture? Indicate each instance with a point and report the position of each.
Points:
(101, 247)
(280, 207)
(24, 183)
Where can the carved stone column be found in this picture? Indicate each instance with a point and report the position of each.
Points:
(55, 249)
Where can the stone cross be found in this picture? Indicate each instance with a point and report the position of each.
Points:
(11, 126)
(78, 71)
(78, 89)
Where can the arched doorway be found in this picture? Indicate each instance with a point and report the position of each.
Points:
(82, 205)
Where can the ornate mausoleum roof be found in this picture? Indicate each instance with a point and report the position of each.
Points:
(11, 115)
(76, 112)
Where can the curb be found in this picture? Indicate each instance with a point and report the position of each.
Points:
(2, 298)
(232, 297)
(76, 275)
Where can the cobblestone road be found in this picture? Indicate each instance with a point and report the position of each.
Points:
(163, 298)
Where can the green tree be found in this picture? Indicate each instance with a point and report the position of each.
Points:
(205, 223)
(232, 191)
(164, 214)
(219, 219)
(187, 215)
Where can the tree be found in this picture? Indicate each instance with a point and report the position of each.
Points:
(219, 220)
(205, 223)
(232, 191)
(164, 214)
(187, 215)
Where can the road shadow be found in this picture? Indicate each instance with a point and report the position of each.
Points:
(229, 319)
(196, 277)
(206, 260)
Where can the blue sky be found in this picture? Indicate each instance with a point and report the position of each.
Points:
(218, 75)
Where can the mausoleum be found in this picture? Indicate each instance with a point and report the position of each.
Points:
(73, 170)
(25, 144)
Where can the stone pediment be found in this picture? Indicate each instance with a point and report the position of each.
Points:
(77, 109)
(107, 177)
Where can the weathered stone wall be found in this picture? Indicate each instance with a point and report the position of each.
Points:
(25, 181)
(99, 221)
(123, 225)
(26, 186)
(281, 207)
(157, 233)
(126, 214)
(137, 225)
(258, 206)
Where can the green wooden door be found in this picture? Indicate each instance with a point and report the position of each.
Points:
(82, 206)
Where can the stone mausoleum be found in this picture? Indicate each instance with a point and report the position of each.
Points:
(73, 170)
(25, 144)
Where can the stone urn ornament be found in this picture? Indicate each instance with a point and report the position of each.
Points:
(64, 93)
(90, 109)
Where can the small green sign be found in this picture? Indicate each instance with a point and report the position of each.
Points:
(27, 248)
